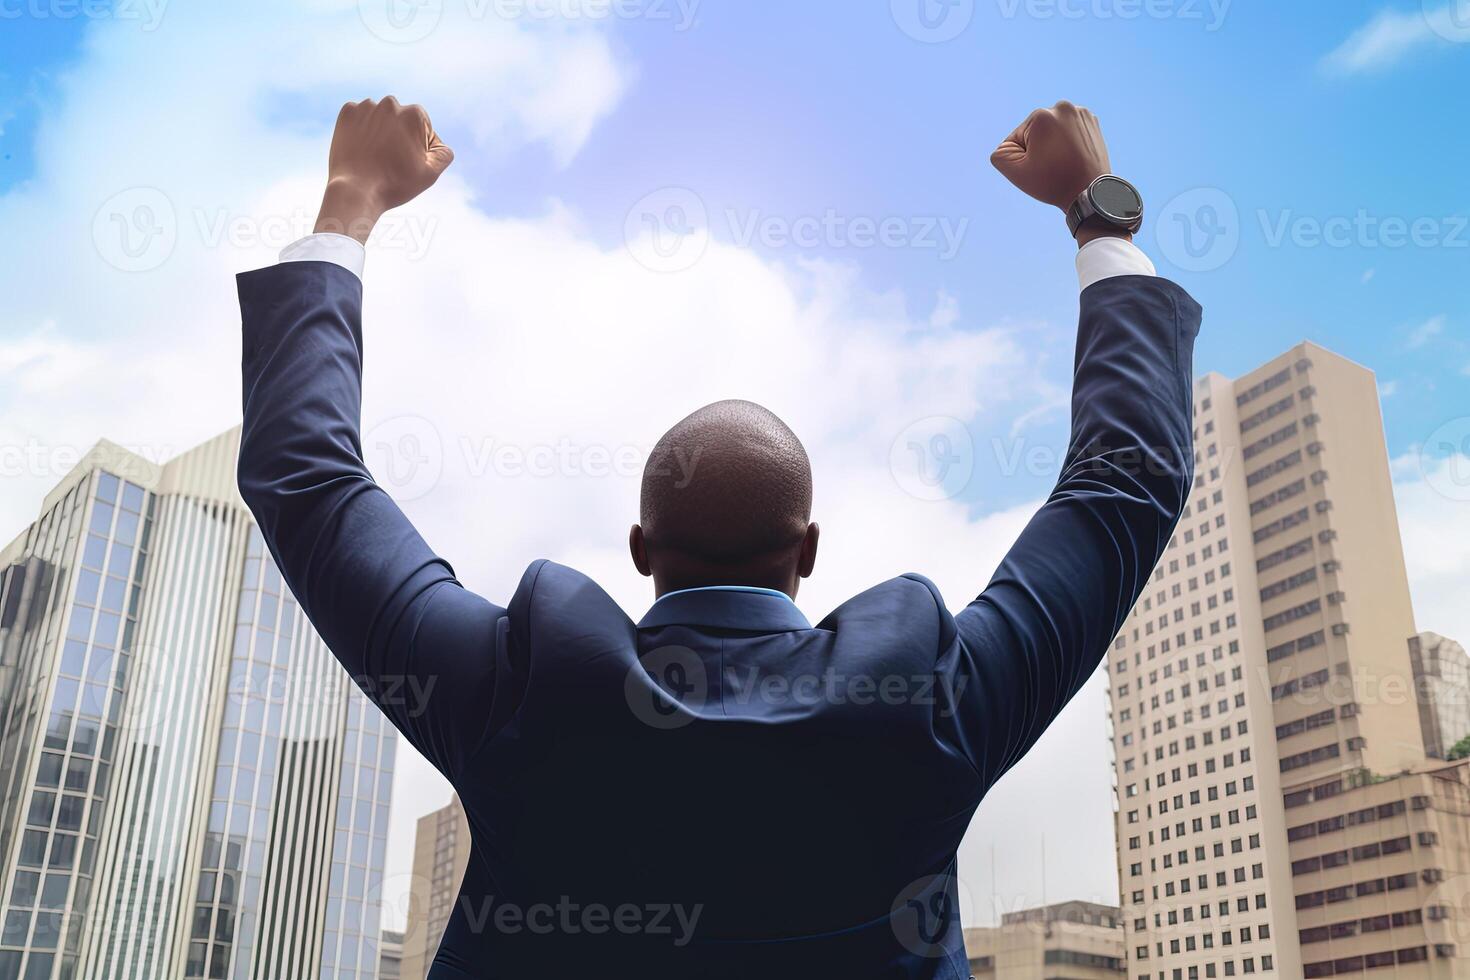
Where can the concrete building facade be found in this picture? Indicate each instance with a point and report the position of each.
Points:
(1263, 673)
(390, 955)
(1066, 941)
(441, 852)
(1382, 875)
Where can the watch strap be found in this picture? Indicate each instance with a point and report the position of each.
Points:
(1080, 211)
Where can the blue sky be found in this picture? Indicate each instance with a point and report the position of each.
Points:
(528, 319)
(806, 109)
(788, 110)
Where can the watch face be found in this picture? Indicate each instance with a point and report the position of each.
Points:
(1117, 199)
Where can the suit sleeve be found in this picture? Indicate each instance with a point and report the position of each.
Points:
(416, 642)
(1037, 632)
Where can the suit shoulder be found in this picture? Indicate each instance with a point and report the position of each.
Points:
(551, 597)
(908, 606)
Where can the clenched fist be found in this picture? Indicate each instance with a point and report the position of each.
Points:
(383, 155)
(1054, 155)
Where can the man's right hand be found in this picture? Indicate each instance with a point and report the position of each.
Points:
(1054, 155)
(383, 155)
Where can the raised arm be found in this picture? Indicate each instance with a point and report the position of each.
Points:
(1038, 631)
(389, 608)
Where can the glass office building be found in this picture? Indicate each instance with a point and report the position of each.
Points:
(190, 786)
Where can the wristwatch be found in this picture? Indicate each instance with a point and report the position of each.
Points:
(1110, 199)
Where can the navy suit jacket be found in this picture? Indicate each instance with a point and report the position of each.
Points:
(719, 789)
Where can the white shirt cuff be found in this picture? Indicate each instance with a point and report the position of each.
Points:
(328, 247)
(1104, 258)
(1101, 258)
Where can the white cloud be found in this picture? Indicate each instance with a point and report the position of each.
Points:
(1391, 37)
(1387, 389)
(1427, 331)
(187, 125)
(494, 332)
(198, 118)
(1433, 498)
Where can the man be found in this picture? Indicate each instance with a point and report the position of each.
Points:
(720, 789)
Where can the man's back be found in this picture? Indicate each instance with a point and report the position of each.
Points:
(758, 789)
(719, 789)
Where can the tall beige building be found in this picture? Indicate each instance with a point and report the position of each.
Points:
(441, 851)
(1262, 684)
(1066, 941)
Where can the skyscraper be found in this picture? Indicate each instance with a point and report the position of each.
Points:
(441, 851)
(1264, 671)
(190, 786)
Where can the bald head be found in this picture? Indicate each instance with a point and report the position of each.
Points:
(726, 485)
